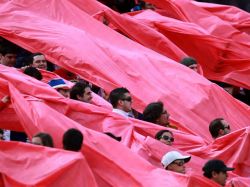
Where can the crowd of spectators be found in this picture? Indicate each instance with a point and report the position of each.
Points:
(120, 98)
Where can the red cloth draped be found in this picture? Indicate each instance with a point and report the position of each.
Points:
(25, 165)
(110, 60)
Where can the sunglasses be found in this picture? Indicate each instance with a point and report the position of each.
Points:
(127, 99)
(181, 163)
(227, 127)
(167, 138)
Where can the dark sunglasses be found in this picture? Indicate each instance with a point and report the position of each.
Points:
(167, 138)
(181, 163)
(127, 99)
(227, 127)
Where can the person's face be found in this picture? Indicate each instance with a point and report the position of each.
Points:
(64, 92)
(36, 141)
(167, 138)
(9, 59)
(87, 96)
(220, 177)
(177, 166)
(163, 119)
(126, 102)
(39, 62)
(194, 67)
(226, 127)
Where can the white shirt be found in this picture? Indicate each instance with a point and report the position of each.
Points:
(122, 113)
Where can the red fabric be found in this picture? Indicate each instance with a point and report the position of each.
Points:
(2, 105)
(25, 165)
(101, 63)
(65, 74)
(228, 56)
(234, 16)
(33, 114)
(133, 172)
(110, 60)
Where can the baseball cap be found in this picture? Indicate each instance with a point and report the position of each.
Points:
(216, 165)
(58, 83)
(171, 156)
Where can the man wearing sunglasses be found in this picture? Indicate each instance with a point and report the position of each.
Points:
(174, 161)
(165, 136)
(121, 101)
(219, 127)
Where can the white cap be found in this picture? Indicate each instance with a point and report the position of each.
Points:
(171, 156)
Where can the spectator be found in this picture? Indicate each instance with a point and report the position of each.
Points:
(174, 161)
(33, 72)
(121, 101)
(60, 86)
(72, 140)
(165, 136)
(155, 113)
(190, 63)
(117, 138)
(216, 170)
(81, 92)
(8, 56)
(219, 127)
(37, 60)
(43, 139)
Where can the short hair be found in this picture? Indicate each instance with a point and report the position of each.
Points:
(118, 138)
(78, 89)
(33, 72)
(116, 95)
(160, 133)
(152, 112)
(46, 139)
(215, 126)
(188, 61)
(72, 140)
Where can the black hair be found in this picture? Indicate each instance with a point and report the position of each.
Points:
(33, 72)
(9, 49)
(116, 95)
(46, 139)
(215, 126)
(160, 133)
(152, 112)
(72, 140)
(188, 61)
(118, 138)
(214, 166)
(78, 90)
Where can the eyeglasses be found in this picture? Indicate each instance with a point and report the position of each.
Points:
(129, 99)
(180, 163)
(167, 138)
